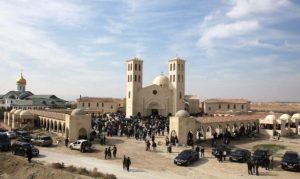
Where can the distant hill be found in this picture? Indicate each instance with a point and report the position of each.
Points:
(280, 107)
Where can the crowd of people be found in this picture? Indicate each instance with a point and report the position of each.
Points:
(254, 164)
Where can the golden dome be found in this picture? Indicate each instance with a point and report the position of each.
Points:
(21, 80)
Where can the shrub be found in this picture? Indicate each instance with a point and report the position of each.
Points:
(82, 171)
(58, 165)
(71, 169)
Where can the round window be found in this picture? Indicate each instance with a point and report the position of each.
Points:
(154, 92)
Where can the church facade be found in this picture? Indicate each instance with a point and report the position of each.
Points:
(163, 97)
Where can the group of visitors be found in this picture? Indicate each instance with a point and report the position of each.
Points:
(126, 163)
(108, 151)
(254, 164)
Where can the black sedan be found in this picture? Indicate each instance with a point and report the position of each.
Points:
(186, 157)
(220, 149)
(20, 148)
(240, 155)
(290, 161)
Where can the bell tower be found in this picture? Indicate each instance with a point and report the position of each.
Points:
(21, 83)
(177, 80)
(133, 85)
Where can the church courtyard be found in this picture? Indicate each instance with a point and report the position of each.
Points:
(149, 164)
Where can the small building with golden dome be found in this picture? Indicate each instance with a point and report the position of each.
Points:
(22, 99)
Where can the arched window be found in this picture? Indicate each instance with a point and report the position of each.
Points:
(178, 67)
(139, 67)
(129, 94)
(170, 67)
(135, 66)
(89, 104)
(234, 106)
(174, 66)
(173, 78)
(130, 78)
(128, 67)
(135, 78)
(82, 104)
(97, 104)
(242, 106)
(102, 104)
(219, 106)
(228, 106)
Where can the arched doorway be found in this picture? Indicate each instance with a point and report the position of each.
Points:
(82, 134)
(153, 109)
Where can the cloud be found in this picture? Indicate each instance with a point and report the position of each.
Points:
(223, 31)
(244, 8)
(105, 40)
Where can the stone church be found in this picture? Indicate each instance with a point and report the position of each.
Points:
(166, 95)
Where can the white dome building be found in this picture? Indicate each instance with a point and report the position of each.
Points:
(165, 96)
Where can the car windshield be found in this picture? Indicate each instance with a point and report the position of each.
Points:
(260, 152)
(290, 156)
(184, 153)
(239, 152)
(46, 138)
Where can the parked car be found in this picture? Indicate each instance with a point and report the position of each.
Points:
(4, 142)
(220, 149)
(42, 141)
(20, 148)
(23, 136)
(22, 133)
(290, 161)
(240, 155)
(3, 130)
(77, 145)
(11, 134)
(186, 157)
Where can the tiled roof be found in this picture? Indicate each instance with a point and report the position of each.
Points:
(227, 101)
(95, 99)
(238, 118)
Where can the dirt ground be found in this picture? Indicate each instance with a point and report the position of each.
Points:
(145, 164)
(161, 161)
(14, 167)
(275, 107)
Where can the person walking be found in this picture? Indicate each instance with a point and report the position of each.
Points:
(249, 165)
(66, 142)
(105, 153)
(114, 151)
(154, 146)
(29, 154)
(128, 163)
(202, 151)
(109, 152)
(256, 167)
(124, 162)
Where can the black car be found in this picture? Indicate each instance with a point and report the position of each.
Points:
(220, 149)
(290, 161)
(20, 148)
(261, 155)
(4, 142)
(240, 155)
(186, 157)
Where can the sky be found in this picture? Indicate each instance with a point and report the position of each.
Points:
(233, 48)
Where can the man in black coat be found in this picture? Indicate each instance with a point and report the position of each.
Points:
(249, 165)
(128, 163)
(29, 154)
(114, 151)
